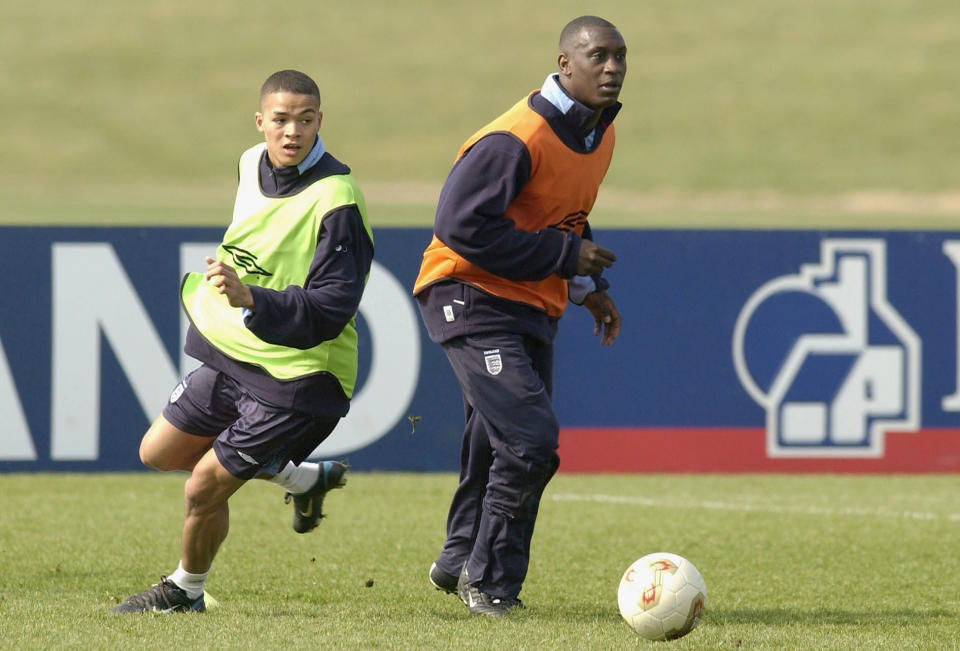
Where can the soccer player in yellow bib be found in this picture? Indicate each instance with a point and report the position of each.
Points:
(272, 320)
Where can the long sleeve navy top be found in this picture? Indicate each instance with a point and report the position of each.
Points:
(471, 220)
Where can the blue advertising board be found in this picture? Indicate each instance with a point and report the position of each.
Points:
(740, 350)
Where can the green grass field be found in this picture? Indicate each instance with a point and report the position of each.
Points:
(796, 562)
(824, 113)
(740, 114)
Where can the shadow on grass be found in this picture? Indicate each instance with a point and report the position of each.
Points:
(781, 616)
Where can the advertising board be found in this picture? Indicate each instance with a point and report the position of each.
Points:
(740, 351)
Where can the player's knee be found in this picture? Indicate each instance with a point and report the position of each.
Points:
(199, 494)
(193, 494)
(515, 492)
(543, 471)
(157, 456)
(149, 456)
(517, 504)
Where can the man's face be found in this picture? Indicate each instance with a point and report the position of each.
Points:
(289, 123)
(592, 70)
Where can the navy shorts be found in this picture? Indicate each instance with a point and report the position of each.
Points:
(253, 436)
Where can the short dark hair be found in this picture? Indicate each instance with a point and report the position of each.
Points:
(574, 27)
(290, 81)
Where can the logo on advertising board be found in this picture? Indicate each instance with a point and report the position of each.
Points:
(827, 356)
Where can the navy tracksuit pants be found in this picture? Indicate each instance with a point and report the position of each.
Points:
(507, 457)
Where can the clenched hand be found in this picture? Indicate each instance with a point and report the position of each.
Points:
(225, 279)
(593, 258)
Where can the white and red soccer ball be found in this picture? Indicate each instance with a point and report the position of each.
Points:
(662, 596)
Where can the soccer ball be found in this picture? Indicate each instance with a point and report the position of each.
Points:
(662, 596)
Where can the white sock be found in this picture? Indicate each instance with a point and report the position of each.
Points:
(192, 584)
(298, 479)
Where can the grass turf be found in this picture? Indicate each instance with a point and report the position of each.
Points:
(143, 125)
(810, 100)
(789, 561)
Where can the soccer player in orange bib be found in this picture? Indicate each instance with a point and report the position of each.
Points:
(511, 246)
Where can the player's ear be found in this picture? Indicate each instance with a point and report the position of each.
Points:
(258, 120)
(563, 64)
(319, 118)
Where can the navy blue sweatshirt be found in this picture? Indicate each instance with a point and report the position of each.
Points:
(302, 317)
(471, 220)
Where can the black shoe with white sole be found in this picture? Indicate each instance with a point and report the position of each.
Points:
(481, 603)
(308, 507)
(443, 581)
(164, 597)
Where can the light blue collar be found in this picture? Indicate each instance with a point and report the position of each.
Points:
(554, 93)
(315, 154)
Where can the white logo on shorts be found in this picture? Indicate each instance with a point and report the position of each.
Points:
(179, 390)
(492, 359)
(246, 457)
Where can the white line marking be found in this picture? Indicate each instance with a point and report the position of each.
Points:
(714, 505)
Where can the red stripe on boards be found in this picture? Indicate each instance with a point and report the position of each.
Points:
(743, 449)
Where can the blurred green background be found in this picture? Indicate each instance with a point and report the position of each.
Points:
(746, 113)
